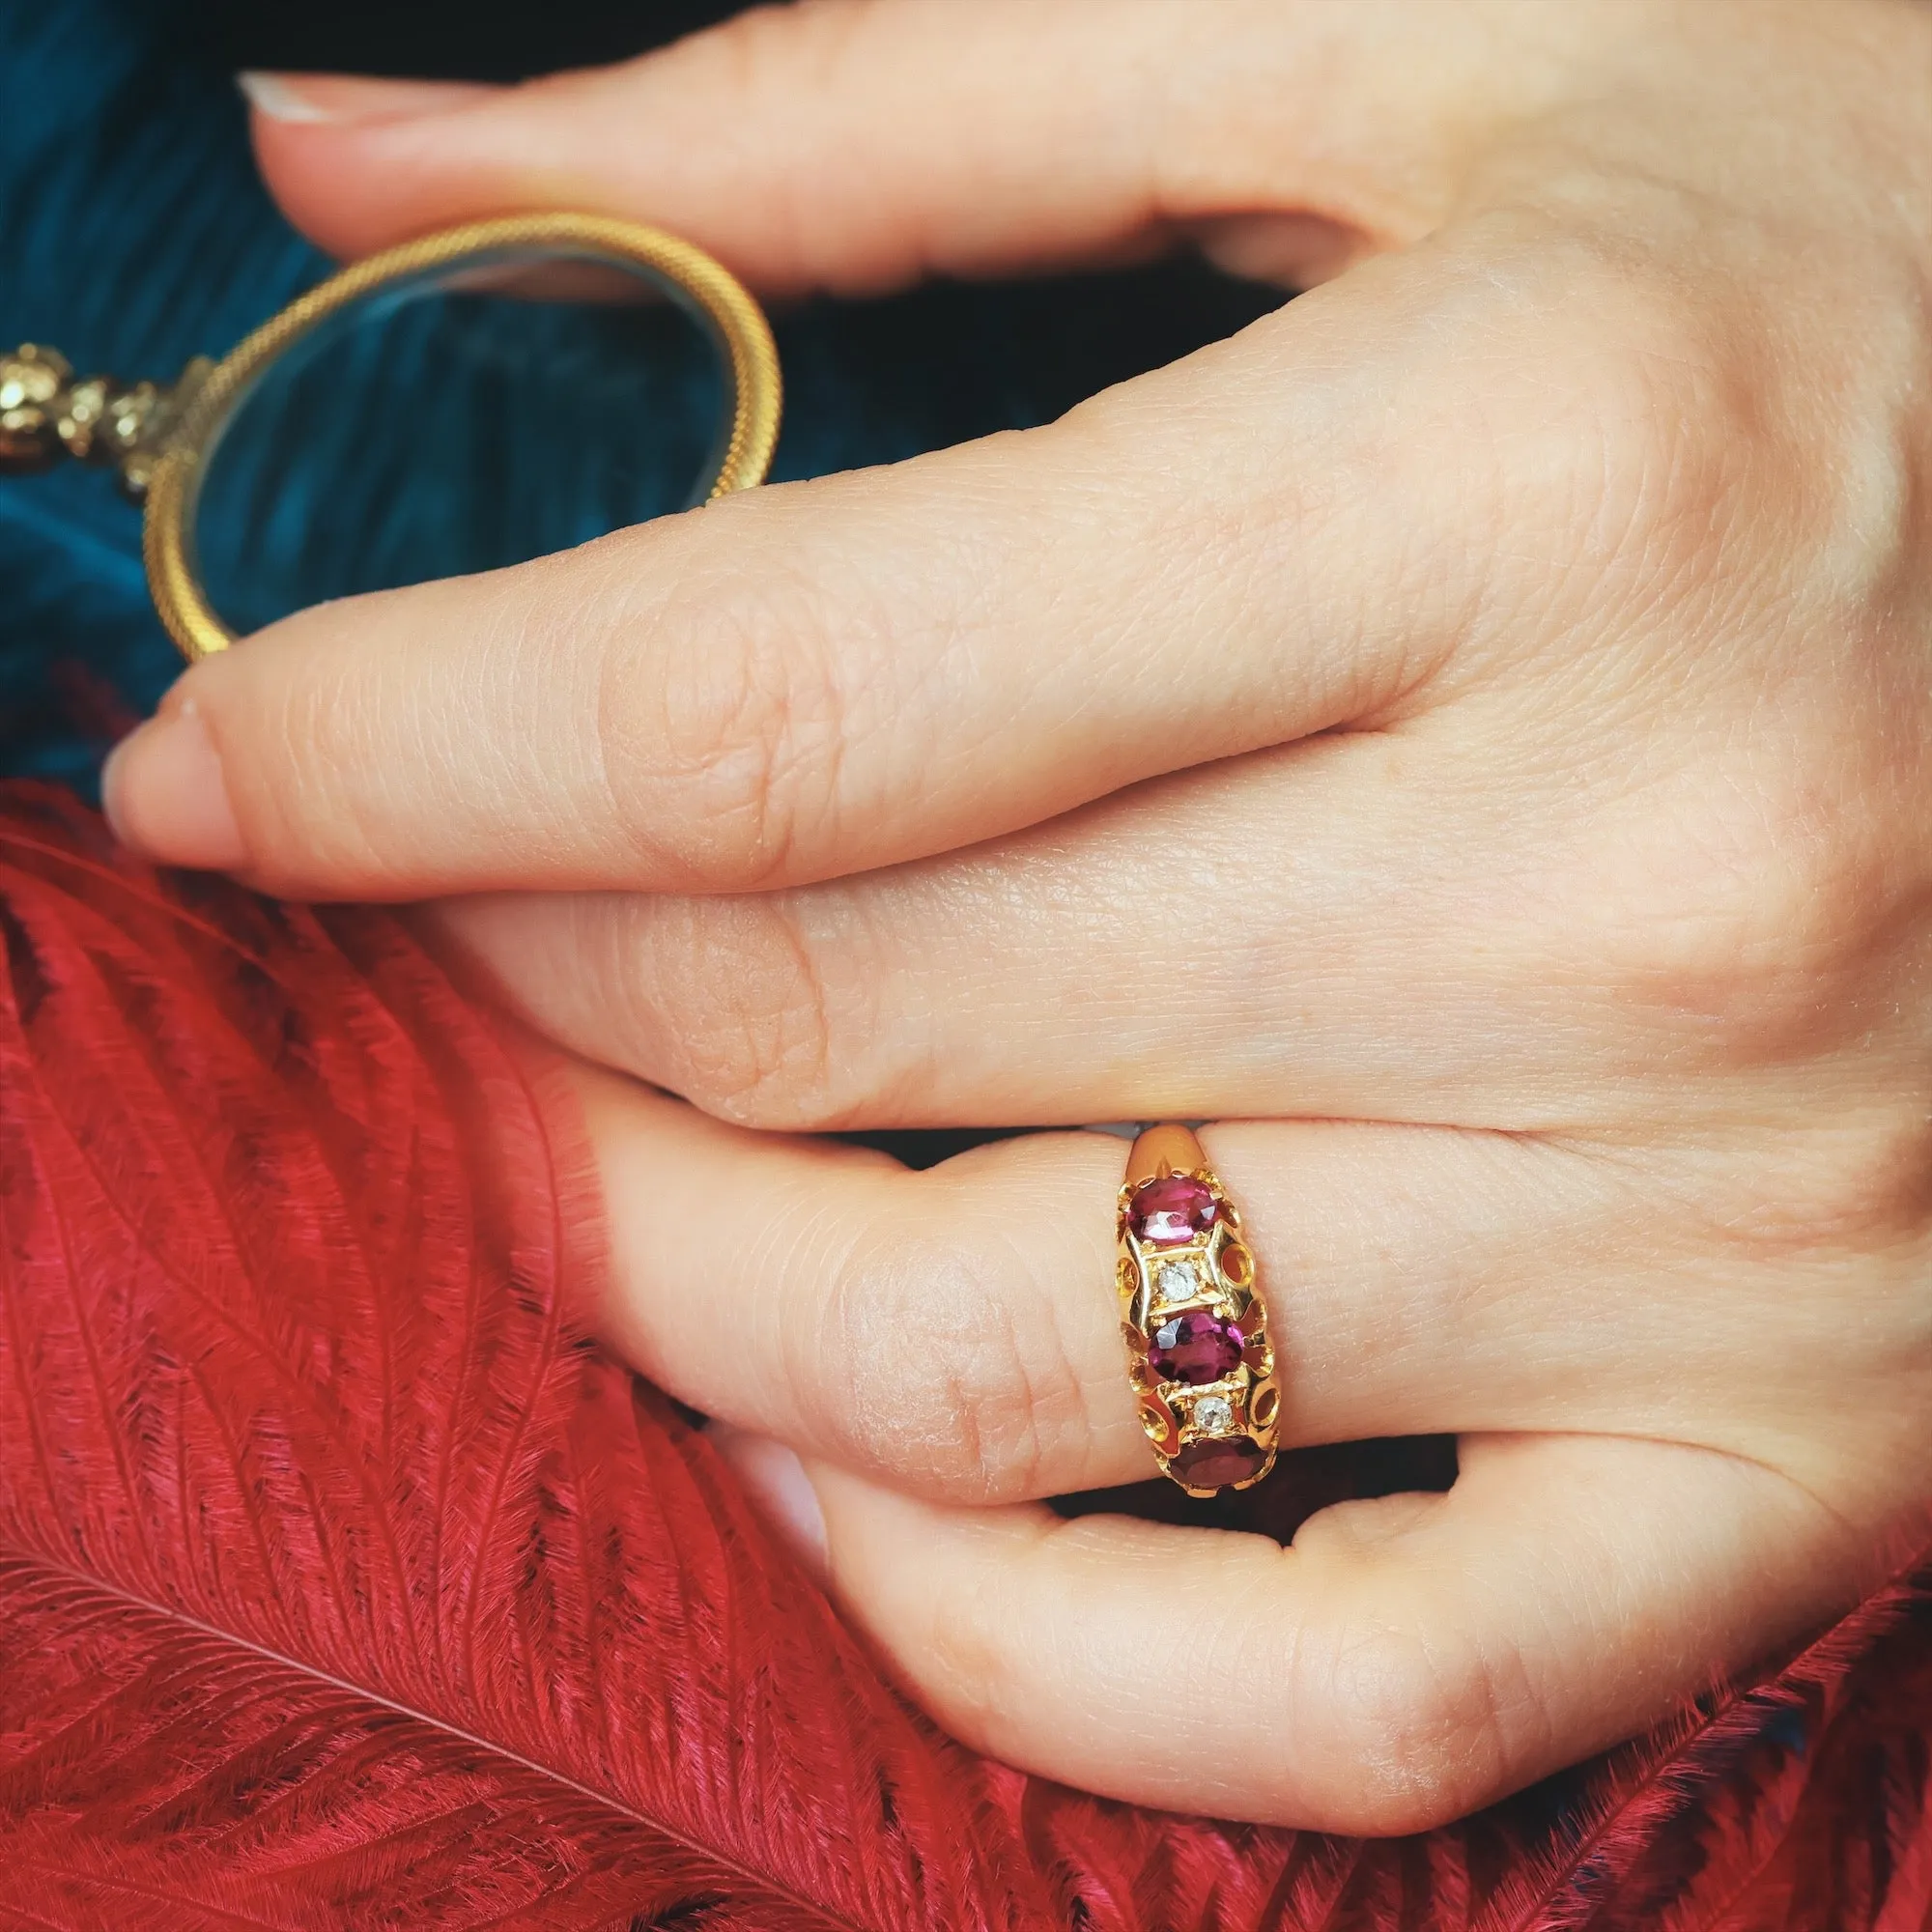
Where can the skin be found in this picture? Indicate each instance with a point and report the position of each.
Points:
(1465, 736)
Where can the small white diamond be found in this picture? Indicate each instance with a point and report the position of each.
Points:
(1213, 1413)
(1177, 1282)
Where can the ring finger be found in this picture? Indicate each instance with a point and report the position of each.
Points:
(954, 1331)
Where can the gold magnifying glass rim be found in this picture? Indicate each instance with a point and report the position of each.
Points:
(167, 535)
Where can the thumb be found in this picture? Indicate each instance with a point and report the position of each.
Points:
(854, 145)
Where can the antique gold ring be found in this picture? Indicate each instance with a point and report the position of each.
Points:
(161, 437)
(1198, 1347)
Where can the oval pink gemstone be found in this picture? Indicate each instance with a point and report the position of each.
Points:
(1214, 1464)
(1168, 1212)
(1195, 1348)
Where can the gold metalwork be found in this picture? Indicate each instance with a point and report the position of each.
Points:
(46, 415)
(1246, 1403)
(159, 438)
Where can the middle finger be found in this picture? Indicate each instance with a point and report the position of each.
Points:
(1380, 926)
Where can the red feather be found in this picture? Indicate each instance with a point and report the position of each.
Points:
(342, 1584)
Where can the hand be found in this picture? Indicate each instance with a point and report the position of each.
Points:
(1467, 734)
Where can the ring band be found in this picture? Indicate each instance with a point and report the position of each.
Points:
(1198, 1348)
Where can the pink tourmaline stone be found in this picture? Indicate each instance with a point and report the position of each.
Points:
(1168, 1212)
(1195, 1348)
(1215, 1463)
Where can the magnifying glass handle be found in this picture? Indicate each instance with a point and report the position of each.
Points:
(47, 415)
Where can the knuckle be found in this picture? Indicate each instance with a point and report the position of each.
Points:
(1629, 432)
(772, 1011)
(1647, 472)
(1750, 907)
(1421, 1719)
(721, 762)
(1859, 1188)
(742, 1021)
(994, 1400)
(768, 52)
(1672, 434)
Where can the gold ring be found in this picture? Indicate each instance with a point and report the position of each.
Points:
(167, 538)
(1198, 1348)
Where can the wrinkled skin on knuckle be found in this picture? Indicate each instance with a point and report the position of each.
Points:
(1631, 456)
(946, 1384)
(1760, 911)
(1415, 1724)
(1852, 1195)
(1577, 438)
(786, 1010)
(727, 1008)
(1726, 627)
(723, 747)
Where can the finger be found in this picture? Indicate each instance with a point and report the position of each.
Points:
(854, 146)
(1409, 1660)
(1434, 924)
(956, 1331)
(1196, 949)
(836, 675)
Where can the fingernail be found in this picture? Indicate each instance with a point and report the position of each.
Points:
(278, 99)
(343, 98)
(776, 1483)
(164, 794)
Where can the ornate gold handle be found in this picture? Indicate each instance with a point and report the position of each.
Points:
(47, 415)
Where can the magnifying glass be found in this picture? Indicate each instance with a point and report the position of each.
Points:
(486, 393)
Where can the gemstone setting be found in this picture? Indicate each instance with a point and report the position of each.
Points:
(1200, 1360)
(1173, 1211)
(1215, 1464)
(1195, 1348)
(1214, 1413)
(1177, 1282)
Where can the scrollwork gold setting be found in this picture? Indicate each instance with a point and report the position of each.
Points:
(1200, 1355)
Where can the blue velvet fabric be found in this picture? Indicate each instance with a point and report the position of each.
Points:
(134, 234)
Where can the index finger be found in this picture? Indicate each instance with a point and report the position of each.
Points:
(1276, 535)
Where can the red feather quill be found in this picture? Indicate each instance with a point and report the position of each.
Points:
(342, 1584)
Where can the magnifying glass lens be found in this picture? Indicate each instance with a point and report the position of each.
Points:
(474, 415)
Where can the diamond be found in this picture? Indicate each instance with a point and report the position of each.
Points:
(1177, 1282)
(1213, 1413)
